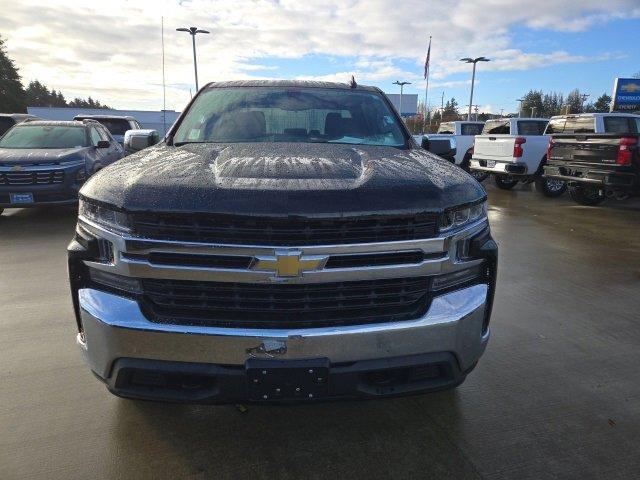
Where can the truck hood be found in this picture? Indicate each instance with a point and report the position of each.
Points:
(14, 156)
(282, 179)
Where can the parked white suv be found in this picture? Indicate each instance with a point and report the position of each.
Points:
(515, 150)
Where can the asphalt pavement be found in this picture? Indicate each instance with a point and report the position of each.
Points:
(556, 395)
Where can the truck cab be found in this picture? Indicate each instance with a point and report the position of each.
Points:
(596, 154)
(514, 150)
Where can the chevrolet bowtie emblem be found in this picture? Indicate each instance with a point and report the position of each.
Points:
(288, 263)
(16, 168)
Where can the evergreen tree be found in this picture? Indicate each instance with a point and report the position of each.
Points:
(11, 90)
(602, 104)
(532, 105)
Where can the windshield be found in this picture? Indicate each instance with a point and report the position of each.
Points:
(290, 114)
(448, 127)
(44, 136)
(497, 127)
(574, 124)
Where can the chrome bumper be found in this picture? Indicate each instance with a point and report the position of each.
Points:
(500, 166)
(114, 327)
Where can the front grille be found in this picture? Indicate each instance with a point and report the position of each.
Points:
(293, 231)
(246, 305)
(39, 177)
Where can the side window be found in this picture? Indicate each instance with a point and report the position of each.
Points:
(95, 136)
(617, 125)
(636, 121)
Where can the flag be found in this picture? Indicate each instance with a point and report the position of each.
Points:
(426, 62)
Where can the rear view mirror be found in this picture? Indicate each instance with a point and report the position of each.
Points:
(136, 140)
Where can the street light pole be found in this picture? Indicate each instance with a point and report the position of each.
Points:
(520, 109)
(473, 78)
(193, 31)
(402, 84)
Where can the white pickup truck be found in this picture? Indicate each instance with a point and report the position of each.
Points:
(462, 133)
(515, 150)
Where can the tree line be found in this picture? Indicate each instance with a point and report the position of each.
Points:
(14, 97)
(535, 103)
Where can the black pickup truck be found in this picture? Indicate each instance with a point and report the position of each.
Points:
(287, 241)
(596, 154)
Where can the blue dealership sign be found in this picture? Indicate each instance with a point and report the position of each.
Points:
(626, 95)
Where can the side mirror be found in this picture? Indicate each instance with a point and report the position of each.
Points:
(103, 144)
(136, 140)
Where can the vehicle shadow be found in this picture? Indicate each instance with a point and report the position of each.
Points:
(399, 438)
(23, 223)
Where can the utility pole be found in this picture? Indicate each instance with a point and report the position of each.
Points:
(584, 97)
(193, 31)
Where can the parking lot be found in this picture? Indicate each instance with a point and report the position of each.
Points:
(555, 396)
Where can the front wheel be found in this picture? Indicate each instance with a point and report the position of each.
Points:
(590, 196)
(550, 187)
(505, 182)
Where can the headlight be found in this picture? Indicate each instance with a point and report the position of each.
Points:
(456, 218)
(103, 216)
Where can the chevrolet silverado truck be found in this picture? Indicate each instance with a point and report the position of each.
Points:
(596, 154)
(46, 162)
(515, 150)
(287, 241)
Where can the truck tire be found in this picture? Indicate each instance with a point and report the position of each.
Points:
(549, 187)
(479, 175)
(505, 182)
(589, 196)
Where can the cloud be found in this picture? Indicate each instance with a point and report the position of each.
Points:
(112, 50)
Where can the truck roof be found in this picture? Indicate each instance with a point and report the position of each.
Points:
(597, 114)
(56, 123)
(289, 83)
(114, 117)
(503, 119)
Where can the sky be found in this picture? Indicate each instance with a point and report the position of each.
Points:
(112, 50)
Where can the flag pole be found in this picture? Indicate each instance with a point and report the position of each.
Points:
(426, 88)
(164, 88)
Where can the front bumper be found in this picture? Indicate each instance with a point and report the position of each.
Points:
(614, 179)
(119, 341)
(64, 193)
(499, 166)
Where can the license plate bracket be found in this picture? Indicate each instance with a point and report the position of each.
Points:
(273, 380)
(21, 197)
